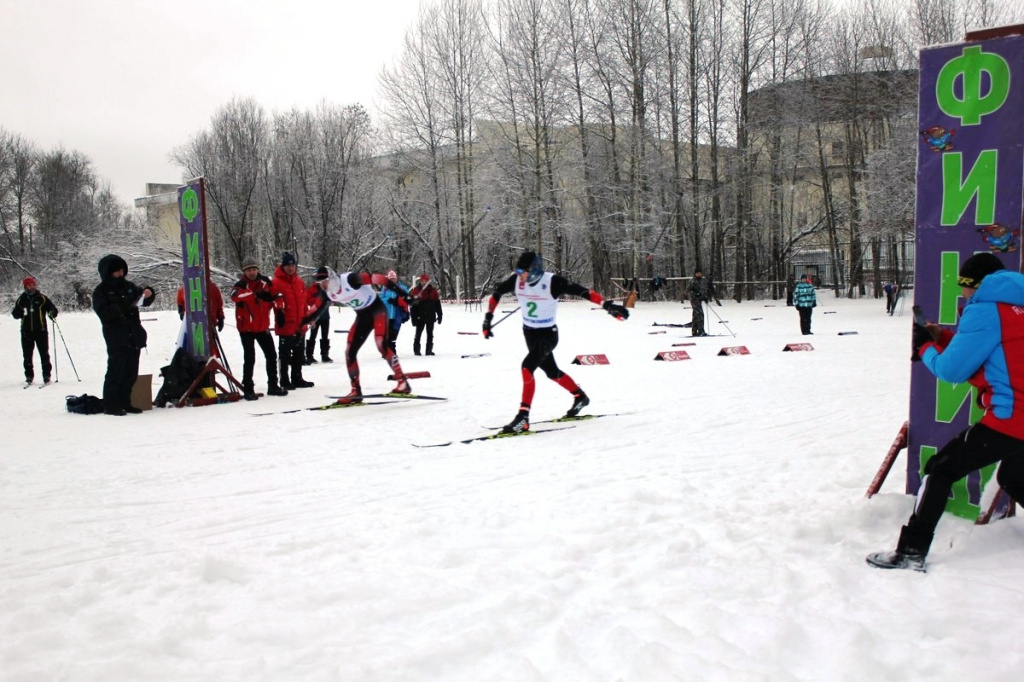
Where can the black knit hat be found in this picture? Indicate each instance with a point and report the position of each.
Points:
(287, 259)
(977, 267)
(321, 273)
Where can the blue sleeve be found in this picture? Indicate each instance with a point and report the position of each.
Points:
(977, 335)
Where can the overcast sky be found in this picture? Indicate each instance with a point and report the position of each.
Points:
(125, 81)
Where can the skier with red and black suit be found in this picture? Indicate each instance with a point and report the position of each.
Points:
(254, 298)
(355, 289)
(289, 319)
(538, 293)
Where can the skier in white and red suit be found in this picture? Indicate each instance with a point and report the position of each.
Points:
(538, 292)
(355, 289)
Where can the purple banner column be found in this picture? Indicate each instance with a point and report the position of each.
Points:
(195, 263)
(970, 177)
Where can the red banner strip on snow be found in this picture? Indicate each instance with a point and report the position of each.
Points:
(591, 360)
(672, 355)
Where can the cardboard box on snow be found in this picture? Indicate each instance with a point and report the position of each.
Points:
(142, 392)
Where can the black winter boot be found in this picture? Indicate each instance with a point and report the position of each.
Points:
(325, 350)
(910, 552)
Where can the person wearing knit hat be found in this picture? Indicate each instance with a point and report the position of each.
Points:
(538, 292)
(424, 310)
(32, 308)
(805, 301)
(254, 297)
(984, 352)
(321, 323)
(396, 302)
(290, 321)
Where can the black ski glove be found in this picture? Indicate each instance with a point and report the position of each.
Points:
(220, 324)
(617, 311)
(264, 295)
(920, 337)
(488, 317)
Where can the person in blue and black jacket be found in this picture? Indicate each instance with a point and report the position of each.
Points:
(987, 351)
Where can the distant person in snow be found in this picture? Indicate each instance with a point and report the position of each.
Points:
(32, 308)
(990, 334)
(538, 292)
(805, 301)
(425, 310)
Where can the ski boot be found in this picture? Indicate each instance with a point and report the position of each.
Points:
(580, 400)
(519, 424)
(403, 387)
(354, 396)
(248, 392)
(325, 349)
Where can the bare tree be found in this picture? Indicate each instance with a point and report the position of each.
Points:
(231, 156)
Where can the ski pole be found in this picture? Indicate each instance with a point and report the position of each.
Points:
(56, 372)
(721, 320)
(57, 327)
(506, 317)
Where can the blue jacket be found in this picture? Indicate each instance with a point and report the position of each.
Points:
(988, 351)
(804, 296)
(396, 313)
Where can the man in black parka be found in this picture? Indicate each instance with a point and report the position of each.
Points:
(116, 302)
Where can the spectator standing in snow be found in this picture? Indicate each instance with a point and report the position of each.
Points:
(289, 321)
(425, 309)
(790, 288)
(355, 289)
(321, 323)
(538, 292)
(116, 302)
(890, 290)
(32, 308)
(395, 302)
(805, 300)
(253, 298)
(698, 295)
(990, 334)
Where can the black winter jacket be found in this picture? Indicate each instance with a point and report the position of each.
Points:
(115, 302)
(32, 310)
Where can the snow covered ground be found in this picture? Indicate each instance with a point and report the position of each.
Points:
(716, 530)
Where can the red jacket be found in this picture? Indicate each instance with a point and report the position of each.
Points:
(252, 314)
(215, 300)
(290, 307)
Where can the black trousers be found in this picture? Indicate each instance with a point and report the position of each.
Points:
(29, 342)
(805, 319)
(323, 326)
(290, 357)
(420, 326)
(122, 371)
(266, 343)
(697, 317)
(973, 448)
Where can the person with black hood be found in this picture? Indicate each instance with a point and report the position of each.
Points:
(32, 308)
(984, 352)
(116, 302)
(538, 293)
